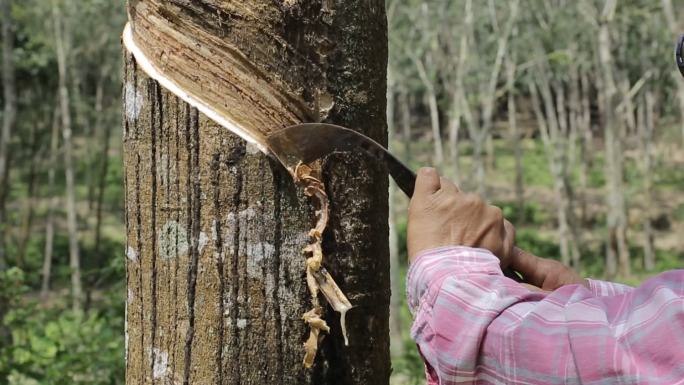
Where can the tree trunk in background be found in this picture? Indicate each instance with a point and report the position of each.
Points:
(431, 98)
(553, 128)
(52, 205)
(670, 16)
(406, 125)
(617, 217)
(9, 116)
(489, 150)
(396, 343)
(215, 229)
(514, 134)
(481, 133)
(8, 120)
(454, 128)
(646, 126)
(74, 258)
(104, 161)
(27, 218)
(586, 153)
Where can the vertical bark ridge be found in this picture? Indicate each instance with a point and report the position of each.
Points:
(139, 251)
(128, 59)
(277, 265)
(124, 96)
(135, 95)
(234, 373)
(194, 207)
(167, 212)
(233, 164)
(177, 210)
(155, 110)
(218, 252)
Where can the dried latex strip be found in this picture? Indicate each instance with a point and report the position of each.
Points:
(305, 175)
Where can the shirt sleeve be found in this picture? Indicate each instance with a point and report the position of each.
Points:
(473, 325)
(605, 288)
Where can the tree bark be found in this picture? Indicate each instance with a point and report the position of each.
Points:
(514, 134)
(52, 204)
(617, 217)
(9, 115)
(553, 129)
(586, 153)
(479, 133)
(215, 229)
(74, 258)
(396, 343)
(431, 97)
(406, 124)
(646, 125)
(454, 128)
(27, 218)
(104, 161)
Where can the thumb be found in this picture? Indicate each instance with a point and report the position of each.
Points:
(526, 264)
(427, 182)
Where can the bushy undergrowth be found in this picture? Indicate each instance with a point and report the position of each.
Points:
(53, 345)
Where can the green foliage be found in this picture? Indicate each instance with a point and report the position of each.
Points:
(535, 164)
(531, 214)
(678, 213)
(409, 366)
(65, 347)
(56, 346)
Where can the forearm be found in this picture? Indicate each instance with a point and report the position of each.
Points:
(471, 323)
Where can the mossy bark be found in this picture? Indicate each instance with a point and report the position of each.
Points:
(215, 272)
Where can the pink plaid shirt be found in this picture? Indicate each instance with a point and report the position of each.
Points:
(475, 326)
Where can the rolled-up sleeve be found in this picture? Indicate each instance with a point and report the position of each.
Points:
(605, 288)
(473, 325)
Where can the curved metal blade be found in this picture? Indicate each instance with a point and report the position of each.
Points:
(310, 141)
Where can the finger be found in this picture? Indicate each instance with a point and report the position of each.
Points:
(427, 182)
(526, 264)
(533, 288)
(508, 243)
(447, 186)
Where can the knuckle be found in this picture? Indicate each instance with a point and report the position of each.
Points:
(497, 214)
(443, 199)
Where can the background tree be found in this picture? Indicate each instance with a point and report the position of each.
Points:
(8, 116)
(557, 40)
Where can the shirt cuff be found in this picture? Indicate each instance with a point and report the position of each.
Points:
(604, 288)
(431, 266)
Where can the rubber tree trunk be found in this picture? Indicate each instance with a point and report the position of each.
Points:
(617, 211)
(31, 181)
(406, 124)
(215, 229)
(52, 206)
(396, 342)
(646, 125)
(74, 257)
(514, 134)
(9, 114)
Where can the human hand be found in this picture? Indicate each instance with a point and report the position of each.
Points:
(547, 274)
(441, 215)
